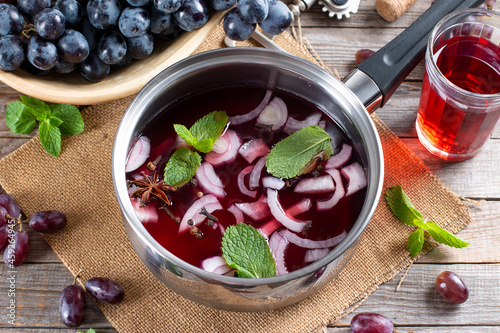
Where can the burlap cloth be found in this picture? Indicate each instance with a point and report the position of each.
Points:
(79, 184)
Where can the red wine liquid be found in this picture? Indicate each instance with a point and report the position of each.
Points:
(234, 100)
(473, 64)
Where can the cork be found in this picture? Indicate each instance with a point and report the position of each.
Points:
(390, 10)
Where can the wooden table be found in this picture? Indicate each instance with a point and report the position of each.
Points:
(415, 307)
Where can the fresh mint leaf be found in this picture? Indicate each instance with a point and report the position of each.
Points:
(416, 242)
(90, 330)
(247, 251)
(181, 167)
(401, 205)
(290, 157)
(36, 107)
(185, 134)
(72, 122)
(210, 126)
(443, 236)
(50, 135)
(19, 119)
(205, 145)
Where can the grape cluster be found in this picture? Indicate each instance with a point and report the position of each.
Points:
(94, 36)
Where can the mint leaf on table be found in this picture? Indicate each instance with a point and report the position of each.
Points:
(50, 135)
(443, 236)
(90, 330)
(181, 167)
(37, 107)
(247, 251)
(291, 156)
(72, 122)
(19, 119)
(416, 242)
(401, 206)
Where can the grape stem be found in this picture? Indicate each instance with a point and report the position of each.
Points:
(18, 220)
(77, 275)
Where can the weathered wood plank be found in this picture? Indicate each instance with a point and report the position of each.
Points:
(433, 329)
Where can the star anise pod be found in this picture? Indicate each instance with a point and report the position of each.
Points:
(152, 186)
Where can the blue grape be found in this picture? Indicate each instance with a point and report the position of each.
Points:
(32, 7)
(172, 32)
(11, 52)
(50, 23)
(112, 47)
(140, 47)
(126, 60)
(254, 11)
(278, 19)
(103, 14)
(64, 67)
(72, 11)
(41, 53)
(138, 3)
(73, 46)
(193, 14)
(167, 6)
(134, 22)
(236, 27)
(91, 33)
(93, 69)
(160, 22)
(11, 21)
(221, 4)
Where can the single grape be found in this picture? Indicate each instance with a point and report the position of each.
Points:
(371, 323)
(138, 3)
(140, 47)
(112, 47)
(254, 11)
(103, 14)
(236, 27)
(91, 33)
(93, 69)
(72, 305)
(221, 4)
(29, 68)
(134, 22)
(167, 6)
(16, 252)
(48, 221)
(72, 11)
(105, 290)
(11, 53)
(73, 46)
(10, 204)
(278, 19)
(11, 20)
(3, 216)
(41, 53)
(32, 7)
(172, 32)
(362, 55)
(451, 287)
(193, 14)
(64, 67)
(126, 60)
(4, 236)
(160, 22)
(50, 23)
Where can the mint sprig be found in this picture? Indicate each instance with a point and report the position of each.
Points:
(247, 251)
(54, 120)
(401, 205)
(181, 167)
(204, 132)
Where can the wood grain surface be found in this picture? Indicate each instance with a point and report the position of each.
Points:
(415, 306)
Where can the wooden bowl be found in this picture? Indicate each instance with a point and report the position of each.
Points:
(74, 89)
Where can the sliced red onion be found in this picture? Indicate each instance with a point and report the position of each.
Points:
(253, 149)
(211, 175)
(256, 210)
(193, 212)
(238, 214)
(274, 114)
(215, 264)
(267, 228)
(315, 185)
(311, 244)
(336, 196)
(292, 125)
(356, 177)
(221, 145)
(241, 182)
(257, 173)
(206, 183)
(217, 159)
(278, 245)
(237, 120)
(322, 124)
(273, 182)
(313, 255)
(145, 214)
(300, 207)
(339, 159)
(139, 154)
(280, 215)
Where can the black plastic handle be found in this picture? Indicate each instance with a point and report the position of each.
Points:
(389, 66)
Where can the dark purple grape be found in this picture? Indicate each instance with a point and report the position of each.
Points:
(105, 290)
(172, 32)
(451, 287)
(112, 47)
(371, 323)
(138, 3)
(126, 60)
(134, 22)
(11, 53)
(193, 14)
(50, 23)
(254, 11)
(103, 14)
(32, 7)
(72, 11)
(221, 4)
(4, 236)
(362, 55)
(236, 27)
(48, 221)
(64, 67)
(160, 22)
(16, 252)
(3, 217)
(167, 6)
(28, 67)
(41, 53)
(140, 47)
(72, 305)
(73, 46)
(91, 33)
(8, 202)
(278, 19)
(93, 69)
(11, 21)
